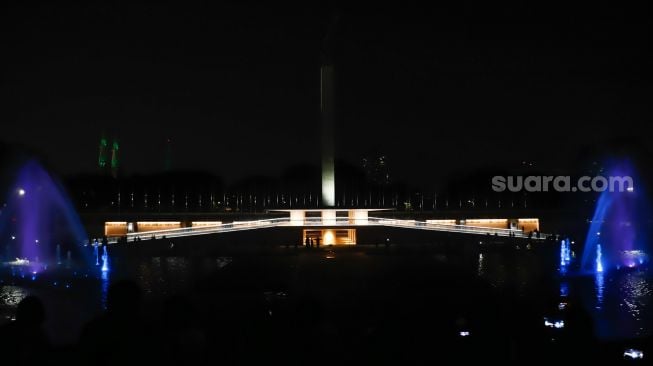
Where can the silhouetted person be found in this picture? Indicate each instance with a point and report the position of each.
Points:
(309, 317)
(182, 341)
(306, 242)
(24, 339)
(317, 242)
(118, 335)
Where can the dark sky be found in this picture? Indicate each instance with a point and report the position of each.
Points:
(236, 86)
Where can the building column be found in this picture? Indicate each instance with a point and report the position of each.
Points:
(297, 217)
(358, 217)
(328, 217)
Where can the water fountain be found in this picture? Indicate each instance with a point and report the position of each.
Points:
(105, 260)
(38, 215)
(617, 234)
(563, 249)
(96, 253)
(599, 259)
(616, 242)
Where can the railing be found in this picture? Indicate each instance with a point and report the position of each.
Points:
(318, 221)
(451, 228)
(203, 230)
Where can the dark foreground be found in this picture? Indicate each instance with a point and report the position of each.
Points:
(367, 305)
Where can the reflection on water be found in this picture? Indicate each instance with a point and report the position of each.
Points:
(636, 292)
(564, 289)
(599, 283)
(501, 270)
(619, 301)
(162, 276)
(222, 261)
(622, 304)
(12, 295)
(481, 269)
(492, 268)
(104, 285)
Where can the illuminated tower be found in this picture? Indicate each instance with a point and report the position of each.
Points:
(328, 169)
(104, 149)
(115, 164)
(328, 117)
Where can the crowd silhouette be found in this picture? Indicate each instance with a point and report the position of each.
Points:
(248, 332)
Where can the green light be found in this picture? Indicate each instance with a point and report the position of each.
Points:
(102, 159)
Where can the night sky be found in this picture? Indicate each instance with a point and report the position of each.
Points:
(236, 86)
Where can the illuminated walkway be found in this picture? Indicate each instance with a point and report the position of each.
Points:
(321, 222)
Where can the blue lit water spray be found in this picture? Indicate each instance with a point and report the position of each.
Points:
(565, 255)
(105, 260)
(565, 252)
(599, 259)
(96, 253)
(618, 230)
(38, 217)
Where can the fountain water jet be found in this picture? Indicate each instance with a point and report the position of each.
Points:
(617, 234)
(599, 259)
(96, 253)
(563, 249)
(105, 260)
(38, 215)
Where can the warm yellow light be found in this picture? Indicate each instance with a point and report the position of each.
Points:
(329, 238)
(205, 223)
(147, 226)
(329, 217)
(441, 222)
(115, 228)
(486, 221)
(358, 217)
